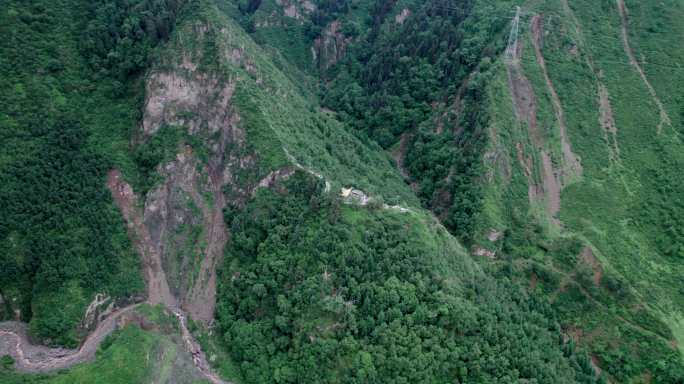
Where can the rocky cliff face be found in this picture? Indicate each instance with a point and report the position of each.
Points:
(184, 213)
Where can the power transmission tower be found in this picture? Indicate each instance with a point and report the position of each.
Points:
(512, 47)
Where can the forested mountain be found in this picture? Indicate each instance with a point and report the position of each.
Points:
(341, 191)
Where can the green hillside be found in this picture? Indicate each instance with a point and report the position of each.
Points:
(345, 191)
(64, 124)
(624, 207)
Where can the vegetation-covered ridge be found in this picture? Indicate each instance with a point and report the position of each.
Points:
(318, 291)
(563, 170)
(347, 191)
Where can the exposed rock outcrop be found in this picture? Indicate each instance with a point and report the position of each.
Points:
(402, 16)
(331, 46)
(184, 213)
(296, 9)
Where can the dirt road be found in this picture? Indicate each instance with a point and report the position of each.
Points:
(34, 358)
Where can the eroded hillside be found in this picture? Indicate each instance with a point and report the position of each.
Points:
(343, 191)
(553, 150)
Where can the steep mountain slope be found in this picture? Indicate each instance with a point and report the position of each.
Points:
(318, 238)
(214, 133)
(558, 158)
(588, 92)
(61, 239)
(267, 326)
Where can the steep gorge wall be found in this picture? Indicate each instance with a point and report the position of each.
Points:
(184, 213)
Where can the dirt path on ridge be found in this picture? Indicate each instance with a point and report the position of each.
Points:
(624, 17)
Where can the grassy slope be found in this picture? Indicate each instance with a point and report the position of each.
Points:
(616, 206)
(655, 31)
(631, 246)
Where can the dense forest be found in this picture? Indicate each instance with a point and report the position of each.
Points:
(389, 215)
(421, 81)
(61, 240)
(321, 292)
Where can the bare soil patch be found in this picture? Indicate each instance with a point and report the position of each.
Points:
(158, 291)
(552, 187)
(571, 164)
(534, 281)
(534, 192)
(524, 99)
(525, 105)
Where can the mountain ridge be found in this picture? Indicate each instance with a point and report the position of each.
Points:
(356, 191)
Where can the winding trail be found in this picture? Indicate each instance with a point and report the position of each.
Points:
(310, 171)
(624, 17)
